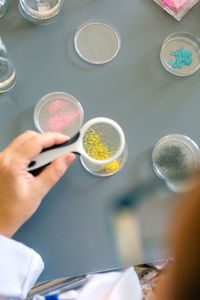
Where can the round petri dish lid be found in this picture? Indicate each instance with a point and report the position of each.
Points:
(58, 112)
(175, 158)
(180, 53)
(97, 42)
(40, 10)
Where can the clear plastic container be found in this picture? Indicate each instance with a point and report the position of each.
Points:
(97, 42)
(180, 53)
(58, 112)
(175, 159)
(107, 169)
(40, 11)
(3, 7)
(7, 70)
(177, 8)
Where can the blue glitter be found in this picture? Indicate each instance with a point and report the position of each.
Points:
(182, 58)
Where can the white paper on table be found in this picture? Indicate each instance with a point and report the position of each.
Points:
(109, 286)
(106, 286)
(128, 287)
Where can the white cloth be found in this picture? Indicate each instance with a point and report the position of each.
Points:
(112, 286)
(106, 286)
(20, 266)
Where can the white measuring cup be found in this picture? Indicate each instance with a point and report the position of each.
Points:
(113, 137)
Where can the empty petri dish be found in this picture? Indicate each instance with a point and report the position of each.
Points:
(175, 158)
(97, 42)
(40, 11)
(58, 112)
(180, 53)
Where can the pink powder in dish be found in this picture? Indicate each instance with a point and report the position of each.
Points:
(175, 3)
(58, 104)
(62, 120)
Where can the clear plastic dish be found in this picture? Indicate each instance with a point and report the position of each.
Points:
(97, 42)
(7, 70)
(40, 11)
(58, 112)
(109, 169)
(175, 159)
(180, 53)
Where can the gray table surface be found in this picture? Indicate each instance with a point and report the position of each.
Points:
(70, 229)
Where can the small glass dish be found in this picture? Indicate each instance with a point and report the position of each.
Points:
(180, 53)
(109, 169)
(97, 42)
(58, 112)
(7, 70)
(175, 159)
(40, 11)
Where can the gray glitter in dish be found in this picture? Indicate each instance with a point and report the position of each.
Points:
(174, 160)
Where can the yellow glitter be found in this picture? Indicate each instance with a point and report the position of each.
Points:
(112, 167)
(94, 145)
(96, 148)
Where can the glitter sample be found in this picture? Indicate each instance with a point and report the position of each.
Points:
(108, 169)
(175, 3)
(182, 58)
(104, 146)
(177, 8)
(56, 106)
(175, 158)
(59, 112)
(112, 167)
(95, 145)
(62, 120)
(184, 47)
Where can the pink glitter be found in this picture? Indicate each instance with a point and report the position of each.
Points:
(175, 3)
(57, 105)
(62, 120)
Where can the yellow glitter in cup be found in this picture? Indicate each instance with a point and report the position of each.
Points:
(95, 146)
(112, 167)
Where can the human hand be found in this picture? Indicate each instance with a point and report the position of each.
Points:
(20, 191)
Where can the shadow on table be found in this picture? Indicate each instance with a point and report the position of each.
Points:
(138, 219)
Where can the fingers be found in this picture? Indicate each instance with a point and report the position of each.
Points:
(18, 141)
(52, 173)
(35, 144)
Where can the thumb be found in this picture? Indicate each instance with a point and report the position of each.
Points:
(52, 173)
